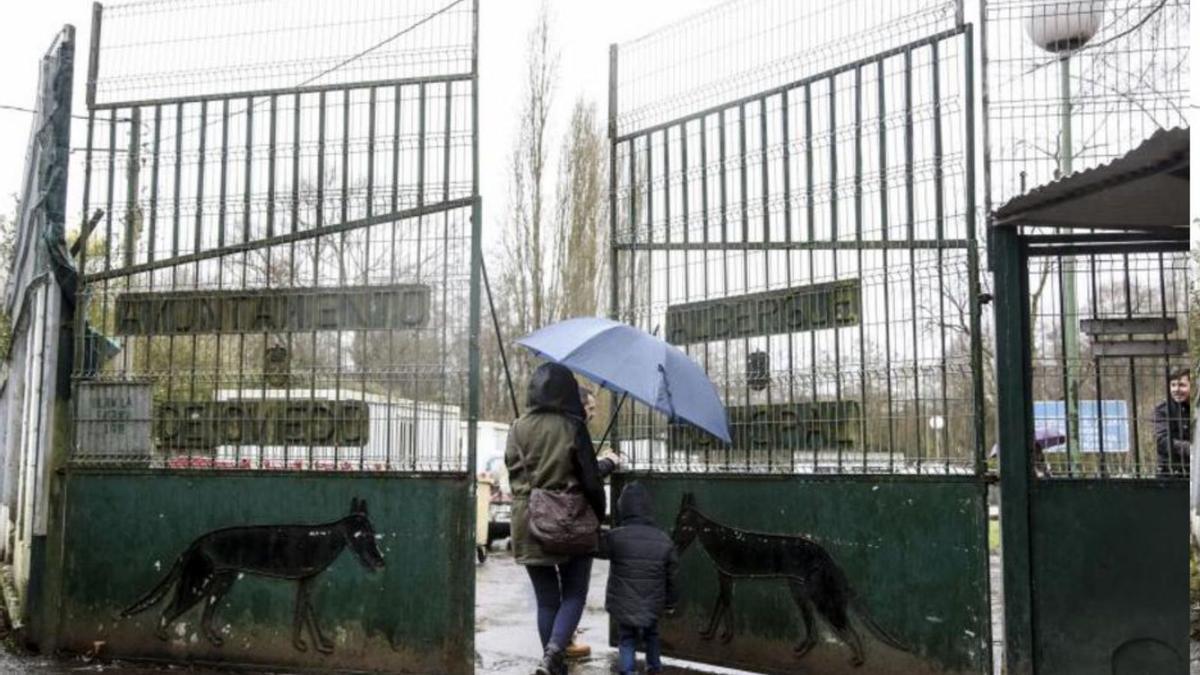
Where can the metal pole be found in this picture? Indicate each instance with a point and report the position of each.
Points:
(473, 331)
(1014, 424)
(1070, 309)
(614, 286)
(487, 287)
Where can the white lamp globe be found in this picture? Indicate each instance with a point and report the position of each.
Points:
(1064, 25)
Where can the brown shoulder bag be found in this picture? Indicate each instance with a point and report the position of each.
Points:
(561, 521)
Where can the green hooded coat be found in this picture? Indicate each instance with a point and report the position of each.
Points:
(553, 440)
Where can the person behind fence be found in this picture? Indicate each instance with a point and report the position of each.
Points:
(641, 577)
(1173, 425)
(550, 450)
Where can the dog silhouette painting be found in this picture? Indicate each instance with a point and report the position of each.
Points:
(817, 584)
(208, 568)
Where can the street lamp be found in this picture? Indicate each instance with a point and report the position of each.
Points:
(1062, 27)
(937, 423)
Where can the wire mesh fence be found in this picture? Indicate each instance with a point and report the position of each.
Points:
(744, 47)
(279, 278)
(168, 50)
(812, 245)
(1133, 326)
(1072, 85)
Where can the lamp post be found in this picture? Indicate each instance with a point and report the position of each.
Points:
(937, 423)
(1061, 28)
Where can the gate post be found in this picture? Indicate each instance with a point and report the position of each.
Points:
(1014, 415)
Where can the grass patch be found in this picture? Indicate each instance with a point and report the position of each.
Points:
(994, 537)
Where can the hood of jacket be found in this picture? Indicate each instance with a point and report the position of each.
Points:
(634, 505)
(552, 388)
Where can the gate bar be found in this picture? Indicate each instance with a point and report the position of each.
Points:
(277, 91)
(885, 232)
(973, 287)
(939, 209)
(910, 227)
(303, 235)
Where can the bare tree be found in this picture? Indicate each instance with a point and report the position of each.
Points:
(580, 215)
(552, 265)
(529, 248)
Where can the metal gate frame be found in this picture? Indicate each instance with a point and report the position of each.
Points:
(1053, 110)
(1130, 527)
(777, 492)
(413, 134)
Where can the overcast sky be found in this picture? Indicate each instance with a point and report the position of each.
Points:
(584, 31)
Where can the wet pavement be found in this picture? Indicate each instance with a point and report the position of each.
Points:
(506, 640)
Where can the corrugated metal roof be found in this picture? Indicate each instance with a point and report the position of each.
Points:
(1145, 188)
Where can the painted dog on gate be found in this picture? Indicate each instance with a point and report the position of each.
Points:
(207, 569)
(813, 577)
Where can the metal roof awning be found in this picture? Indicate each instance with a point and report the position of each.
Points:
(1146, 189)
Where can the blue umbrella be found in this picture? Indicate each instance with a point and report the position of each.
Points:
(630, 361)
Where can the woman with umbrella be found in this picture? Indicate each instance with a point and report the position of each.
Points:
(549, 448)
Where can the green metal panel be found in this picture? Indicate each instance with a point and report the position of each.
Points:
(1110, 576)
(125, 530)
(911, 548)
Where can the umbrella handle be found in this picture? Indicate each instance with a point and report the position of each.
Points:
(613, 420)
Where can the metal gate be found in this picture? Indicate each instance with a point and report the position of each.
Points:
(793, 205)
(1092, 327)
(1095, 528)
(275, 382)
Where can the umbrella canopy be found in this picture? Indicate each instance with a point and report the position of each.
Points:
(1042, 440)
(630, 361)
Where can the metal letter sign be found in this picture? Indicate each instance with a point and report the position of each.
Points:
(207, 424)
(399, 306)
(822, 425)
(791, 310)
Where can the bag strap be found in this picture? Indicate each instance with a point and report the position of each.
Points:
(521, 455)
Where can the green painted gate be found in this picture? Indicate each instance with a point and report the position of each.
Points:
(793, 205)
(1095, 530)
(1092, 327)
(275, 381)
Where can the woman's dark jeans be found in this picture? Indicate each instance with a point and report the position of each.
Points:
(561, 594)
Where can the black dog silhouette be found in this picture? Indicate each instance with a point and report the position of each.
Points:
(814, 579)
(214, 561)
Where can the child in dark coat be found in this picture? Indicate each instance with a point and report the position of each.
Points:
(641, 578)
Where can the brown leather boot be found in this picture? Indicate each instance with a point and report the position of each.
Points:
(577, 650)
